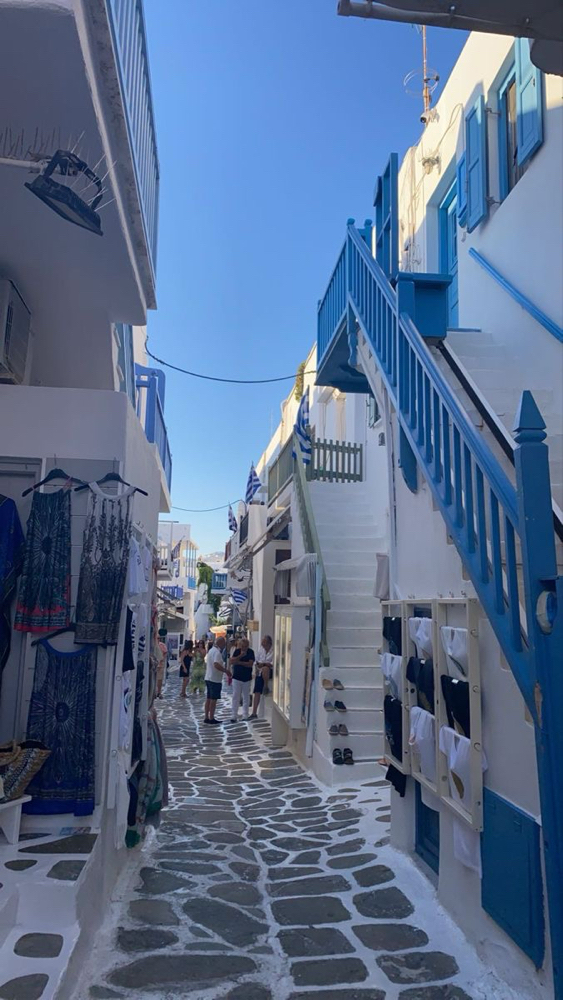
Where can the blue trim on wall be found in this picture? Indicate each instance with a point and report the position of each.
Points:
(522, 300)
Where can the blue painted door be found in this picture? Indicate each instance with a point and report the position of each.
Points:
(448, 249)
(427, 833)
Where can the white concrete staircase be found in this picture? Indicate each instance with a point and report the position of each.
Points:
(500, 380)
(349, 539)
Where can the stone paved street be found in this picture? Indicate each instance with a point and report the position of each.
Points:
(259, 886)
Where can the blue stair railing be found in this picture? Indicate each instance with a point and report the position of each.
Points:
(503, 533)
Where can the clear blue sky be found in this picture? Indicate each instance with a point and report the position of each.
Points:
(274, 120)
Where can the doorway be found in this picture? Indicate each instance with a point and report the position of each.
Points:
(427, 832)
(447, 250)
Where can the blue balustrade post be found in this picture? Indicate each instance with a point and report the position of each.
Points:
(150, 410)
(350, 316)
(544, 615)
(406, 303)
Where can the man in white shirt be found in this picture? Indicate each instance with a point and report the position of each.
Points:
(214, 670)
(264, 666)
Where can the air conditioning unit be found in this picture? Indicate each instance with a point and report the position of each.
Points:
(15, 319)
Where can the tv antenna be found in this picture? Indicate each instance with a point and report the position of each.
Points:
(429, 80)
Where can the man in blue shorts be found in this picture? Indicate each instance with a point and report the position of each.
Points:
(214, 670)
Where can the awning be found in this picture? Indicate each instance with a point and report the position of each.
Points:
(304, 568)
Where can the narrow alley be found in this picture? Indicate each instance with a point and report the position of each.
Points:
(259, 885)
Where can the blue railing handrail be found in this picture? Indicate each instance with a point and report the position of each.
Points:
(483, 454)
(550, 325)
(127, 21)
(329, 282)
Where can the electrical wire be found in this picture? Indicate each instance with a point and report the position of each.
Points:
(204, 510)
(233, 381)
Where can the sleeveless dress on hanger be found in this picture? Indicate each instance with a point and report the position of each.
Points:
(43, 602)
(104, 565)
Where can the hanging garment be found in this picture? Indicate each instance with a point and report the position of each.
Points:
(457, 749)
(137, 583)
(103, 568)
(392, 628)
(391, 668)
(397, 779)
(420, 632)
(381, 585)
(11, 557)
(393, 718)
(454, 641)
(128, 644)
(456, 697)
(44, 593)
(423, 741)
(421, 674)
(62, 714)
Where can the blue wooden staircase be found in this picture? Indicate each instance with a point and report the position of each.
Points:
(503, 531)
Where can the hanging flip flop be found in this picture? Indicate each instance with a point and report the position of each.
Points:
(348, 756)
(337, 757)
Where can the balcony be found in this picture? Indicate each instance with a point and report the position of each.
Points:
(331, 462)
(218, 582)
(281, 471)
(174, 591)
(127, 23)
(150, 384)
(243, 530)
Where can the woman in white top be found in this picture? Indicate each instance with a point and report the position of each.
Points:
(264, 664)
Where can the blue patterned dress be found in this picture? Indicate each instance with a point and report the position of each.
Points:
(62, 715)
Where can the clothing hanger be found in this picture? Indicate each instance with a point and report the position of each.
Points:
(59, 631)
(53, 474)
(111, 477)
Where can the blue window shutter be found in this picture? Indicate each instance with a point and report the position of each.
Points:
(476, 164)
(529, 102)
(512, 885)
(461, 176)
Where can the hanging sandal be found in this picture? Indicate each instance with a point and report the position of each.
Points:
(348, 756)
(337, 757)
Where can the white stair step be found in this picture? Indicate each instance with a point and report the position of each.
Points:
(362, 575)
(334, 545)
(371, 618)
(354, 638)
(356, 699)
(345, 603)
(362, 745)
(359, 657)
(360, 558)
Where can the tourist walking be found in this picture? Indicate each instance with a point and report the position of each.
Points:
(242, 663)
(214, 670)
(264, 666)
(197, 670)
(186, 657)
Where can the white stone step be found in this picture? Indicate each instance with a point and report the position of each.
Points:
(349, 531)
(355, 699)
(362, 575)
(362, 745)
(371, 618)
(354, 638)
(359, 721)
(335, 544)
(358, 657)
(327, 520)
(360, 558)
(344, 603)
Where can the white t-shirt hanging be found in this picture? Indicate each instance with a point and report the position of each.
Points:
(420, 632)
(457, 749)
(391, 668)
(423, 740)
(454, 641)
(137, 584)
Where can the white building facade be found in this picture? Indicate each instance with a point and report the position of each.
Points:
(79, 182)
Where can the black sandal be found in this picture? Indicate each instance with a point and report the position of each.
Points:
(348, 756)
(337, 757)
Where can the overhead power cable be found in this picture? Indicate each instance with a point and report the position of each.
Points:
(204, 510)
(233, 381)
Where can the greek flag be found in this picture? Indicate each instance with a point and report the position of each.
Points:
(224, 612)
(239, 596)
(232, 520)
(253, 484)
(301, 429)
